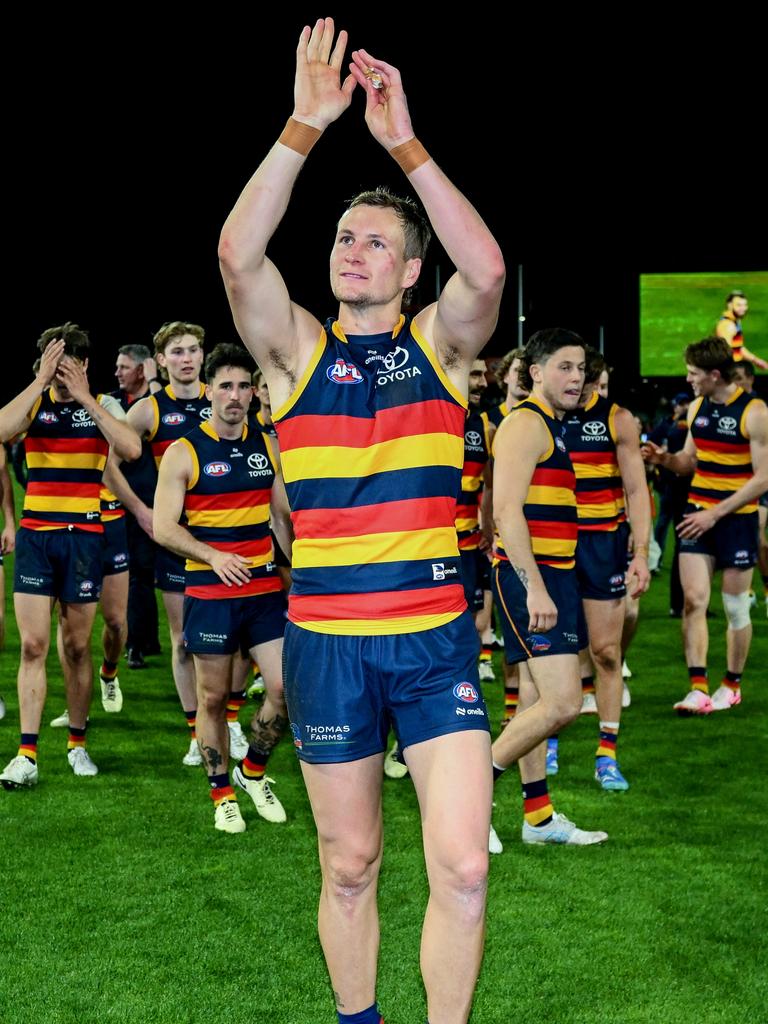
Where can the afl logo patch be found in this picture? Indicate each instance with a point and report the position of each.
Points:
(560, 443)
(466, 692)
(617, 581)
(343, 372)
(538, 644)
(217, 469)
(86, 586)
(594, 428)
(296, 733)
(174, 419)
(701, 421)
(48, 417)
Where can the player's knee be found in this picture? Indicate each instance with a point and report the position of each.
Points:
(115, 623)
(76, 649)
(737, 610)
(607, 656)
(465, 881)
(695, 601)
(564, 707)
(33, 648)
(213, 701)
(350, 872)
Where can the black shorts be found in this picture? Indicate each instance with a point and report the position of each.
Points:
(114, 552)
(732, 541)
(169, 572)
(569, 635)
(476, 577)
(223, 626)
(601, 563)
(65, 564)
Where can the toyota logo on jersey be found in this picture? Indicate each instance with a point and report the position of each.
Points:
(473, 438)
(594, 428)
(342, 372)
(217, 469)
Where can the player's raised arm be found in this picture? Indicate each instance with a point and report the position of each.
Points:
(272, 327)
(16, 415)
(466, 313)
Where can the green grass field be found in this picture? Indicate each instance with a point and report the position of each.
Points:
(676, 309)
(120, 902)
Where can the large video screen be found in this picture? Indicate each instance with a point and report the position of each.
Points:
(676, 309)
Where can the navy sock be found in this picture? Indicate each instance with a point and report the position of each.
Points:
(369, 1016)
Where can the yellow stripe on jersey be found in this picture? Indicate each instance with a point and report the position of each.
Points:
(379, 627)
(59, 460)
(253, 563)
(60, 503)
(397, 454)
(723, 458)
(549, 496)
(374, 547)
(228, 517)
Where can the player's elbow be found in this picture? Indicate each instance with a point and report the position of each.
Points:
(235, 257)
(130, 450)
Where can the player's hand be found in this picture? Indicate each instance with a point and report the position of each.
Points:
(386, 109)
(8, 539)
(319, 96)
(760, 362)
(231, 568)
(541, 610)
(638, 577)
(149, 366)
(652, 453)
(693, 524)
(144, 519)
(71, 373)
(49, 362)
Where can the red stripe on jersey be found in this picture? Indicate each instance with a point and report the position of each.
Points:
(62, 489)
(66, 445)
(594, 458)
(386, 604)
(388, 517)
(553, 478)
(215, 591)
(704, 444)
(430, 417)
(232, 499)
(48, 524)
(608, 496)
(553, 528)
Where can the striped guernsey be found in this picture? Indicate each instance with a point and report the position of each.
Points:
(590, 435)
(476, 455)
(371, 444)
(723, 460)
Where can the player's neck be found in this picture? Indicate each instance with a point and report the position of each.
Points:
(723, 392)
(140, 391)
(227, 431)
(186, 390)
(378, 319)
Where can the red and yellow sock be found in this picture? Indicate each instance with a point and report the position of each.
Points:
(76, 738)
(485, 653)
(237, 699)
(28, 746)
(698, 677)
(221, 788)
(191, 717)
(609, 734)
(537, 807)
(511, 698)
(587, 684)
(733, 681)
(254, 764)
(108, 669)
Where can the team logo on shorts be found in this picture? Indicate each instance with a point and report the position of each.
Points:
(174, 419)
(217, 469)
(86, 586)
(538, 644)
(616, 581)
(121, 557)
(741, 555)
(560, 443)
(466, 692)
(296, 733)
(48, 417)
(206, 413)
(342, 372)
(701, 421)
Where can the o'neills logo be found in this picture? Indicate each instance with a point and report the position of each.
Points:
(342, 372)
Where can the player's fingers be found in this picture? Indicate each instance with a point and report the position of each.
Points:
(301, 49)
(313, 46)
(379, 65)
(326, 41)
(337, 57)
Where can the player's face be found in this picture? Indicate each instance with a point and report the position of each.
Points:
(740, 377)
(560, 380)
(368, 267)
(261, 391)
(602, 384)
(130, 374)
(703, 382)
(230, 394)
(512, 380)
(183, 359)
(738, 307)
(477, 382)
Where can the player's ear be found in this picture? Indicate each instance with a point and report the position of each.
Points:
(412, 271)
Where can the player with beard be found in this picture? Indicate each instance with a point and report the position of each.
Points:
(727, 452)
(222, 478)
(370, 414)
(534, 576)
(729, 328)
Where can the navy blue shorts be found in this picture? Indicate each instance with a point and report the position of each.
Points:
(114, 553)
(569, 635)
(732, 541)
(601, 563)
(226, 625)
(65, 564)
(169, 571)
(344, 692)
(476, 577)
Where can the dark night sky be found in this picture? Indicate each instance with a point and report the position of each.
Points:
(590, 156)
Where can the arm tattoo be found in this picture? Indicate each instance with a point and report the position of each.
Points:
(522, 575)
(211, 756)
(266, 732)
